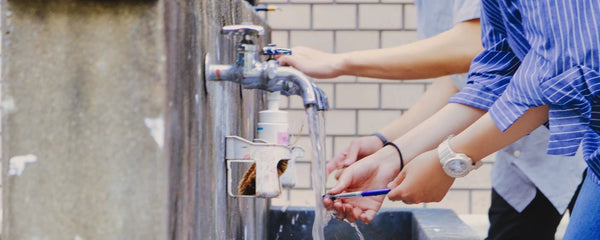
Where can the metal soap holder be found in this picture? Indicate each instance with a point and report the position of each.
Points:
(240, 156)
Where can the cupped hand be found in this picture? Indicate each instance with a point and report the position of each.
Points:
(421, 180)
(369, 173)
(313, 63)
(358, 149)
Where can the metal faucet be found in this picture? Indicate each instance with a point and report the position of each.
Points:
(268, 75)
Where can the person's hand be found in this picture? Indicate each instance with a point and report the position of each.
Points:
(369, 173)
(358, 149)
(312, 62)
(422, 180)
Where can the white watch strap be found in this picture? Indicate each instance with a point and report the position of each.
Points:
(444, 150)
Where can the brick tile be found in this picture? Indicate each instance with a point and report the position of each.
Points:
(304, 142)
(400, 96)
(338, 79)
(272, 1)
(303, 175)
(296, 102)
(456, 200)
(370, 121)
(347, 41)
(334, 16)
(312, 1)
(284, 102)
(356, 1)
(410, 17)
(291, 16)
(380, 16)
(320, 40)
(341, 143)
(329, 91)
(282, 200)
(420, 81)
(357, 95)
(297, 122)
(280, 38)
(342, 122)
(302, 198)
(397, 1)
(376, 80)
(395, 38)
(480, 201)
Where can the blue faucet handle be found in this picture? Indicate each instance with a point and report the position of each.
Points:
(272, 50)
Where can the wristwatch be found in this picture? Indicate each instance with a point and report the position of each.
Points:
(455, 164)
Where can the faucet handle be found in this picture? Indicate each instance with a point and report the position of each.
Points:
(243, 29)
(271, 50)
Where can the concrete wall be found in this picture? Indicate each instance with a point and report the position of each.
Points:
(106, 101)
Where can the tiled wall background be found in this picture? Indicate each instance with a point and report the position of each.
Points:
(359, 106)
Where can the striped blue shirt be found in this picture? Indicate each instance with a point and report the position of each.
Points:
(542, 52)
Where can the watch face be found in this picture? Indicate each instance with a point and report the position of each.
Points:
(456, 167)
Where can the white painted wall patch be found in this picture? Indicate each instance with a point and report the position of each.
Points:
(17, 164)
(157, 129)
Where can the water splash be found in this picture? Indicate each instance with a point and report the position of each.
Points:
(316, 131)
(358, 233)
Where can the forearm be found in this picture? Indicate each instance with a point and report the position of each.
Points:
(484, 138)
(451, 119)
(431, 101)
(447, 53)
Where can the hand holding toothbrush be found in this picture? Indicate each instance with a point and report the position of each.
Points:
(366, 174)
(365, 193)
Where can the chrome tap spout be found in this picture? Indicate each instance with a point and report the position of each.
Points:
(269, 75)
(302, 86)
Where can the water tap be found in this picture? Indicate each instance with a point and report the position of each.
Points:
(267, 75)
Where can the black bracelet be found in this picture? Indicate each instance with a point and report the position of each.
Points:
(399, 153)
(381, 137)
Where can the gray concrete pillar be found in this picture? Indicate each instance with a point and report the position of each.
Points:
(109, 129)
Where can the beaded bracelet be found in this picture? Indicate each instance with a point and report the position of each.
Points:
(399, 153)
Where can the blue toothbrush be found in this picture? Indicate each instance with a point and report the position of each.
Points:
(365, 193)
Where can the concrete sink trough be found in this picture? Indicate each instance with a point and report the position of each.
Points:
(390, 223)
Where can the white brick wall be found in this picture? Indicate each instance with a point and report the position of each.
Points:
(321, 40)
(360, 106)
(347, 41)
(369, 121)
(334, 16)
(400, 96)
(299, 12)
(378, 16)
(394, 38)
(357, 96)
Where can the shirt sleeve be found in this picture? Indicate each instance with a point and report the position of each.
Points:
(492, 69)
(560, 69)
(466, 10)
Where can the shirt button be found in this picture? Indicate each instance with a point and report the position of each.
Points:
(517, 153)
